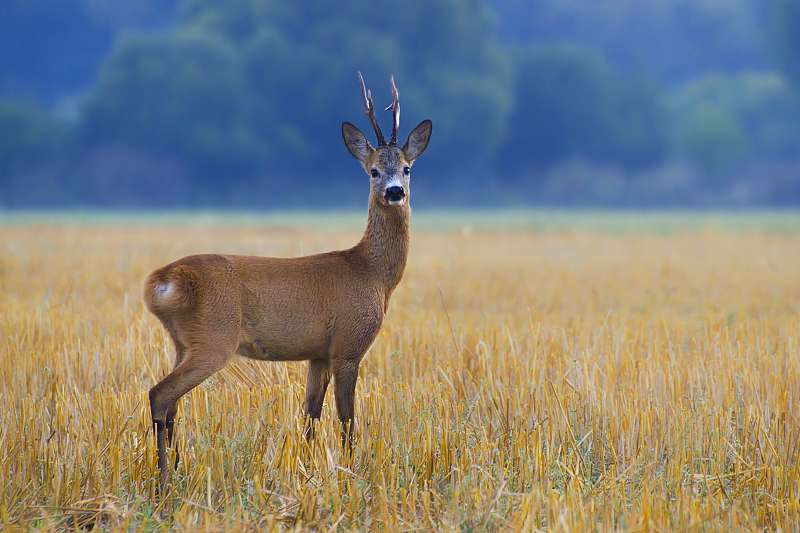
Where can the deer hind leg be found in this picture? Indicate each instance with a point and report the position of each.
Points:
(196, 366)
(180, 353)
(345, 375)
(319, 375)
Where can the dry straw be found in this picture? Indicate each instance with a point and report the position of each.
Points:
(568, 381)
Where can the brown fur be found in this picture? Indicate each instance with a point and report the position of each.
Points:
(325, 308)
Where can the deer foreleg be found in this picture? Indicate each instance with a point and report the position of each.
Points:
(319, 375)
(345, 376)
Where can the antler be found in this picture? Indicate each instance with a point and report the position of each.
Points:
(370, 109)
(395, 114)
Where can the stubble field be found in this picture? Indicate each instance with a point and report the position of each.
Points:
(567, 372)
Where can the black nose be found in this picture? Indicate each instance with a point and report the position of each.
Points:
(394, 194)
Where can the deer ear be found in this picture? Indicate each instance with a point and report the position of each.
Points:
(356, 143)
(418, 140)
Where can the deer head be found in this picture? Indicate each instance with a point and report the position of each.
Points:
(388, 165)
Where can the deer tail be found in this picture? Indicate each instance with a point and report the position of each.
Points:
(171, 288)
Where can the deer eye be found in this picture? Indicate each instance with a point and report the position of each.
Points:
(406, 170)
(375, 173)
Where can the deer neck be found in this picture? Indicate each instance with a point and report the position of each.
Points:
(385, 243)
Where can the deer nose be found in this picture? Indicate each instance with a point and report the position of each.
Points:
(394, 194)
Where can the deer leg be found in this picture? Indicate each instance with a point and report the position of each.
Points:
(195, 368)
(180, 353)
(345, 375)
(170, 430)
(319, 375)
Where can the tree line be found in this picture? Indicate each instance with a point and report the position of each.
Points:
(239, 102)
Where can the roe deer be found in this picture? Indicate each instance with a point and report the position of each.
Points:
(325, 308)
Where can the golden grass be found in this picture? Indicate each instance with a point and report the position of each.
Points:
(562, 380)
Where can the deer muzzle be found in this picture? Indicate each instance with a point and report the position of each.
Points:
(394, 195)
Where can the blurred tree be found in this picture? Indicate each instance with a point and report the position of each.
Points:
(181, 95)
(30, 140)
(233, 90)
(677, 40)
(714, 140)
(28, 136)
(784, 38)
(570, 104)
(48, 49)
(124, 14)
(721, 122)
(246, 84)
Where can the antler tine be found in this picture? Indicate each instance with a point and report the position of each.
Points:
(370, 109)
(395, 114)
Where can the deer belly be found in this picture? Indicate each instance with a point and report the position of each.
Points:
(271, 349)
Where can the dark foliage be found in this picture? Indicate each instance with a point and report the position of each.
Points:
(238, 102)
